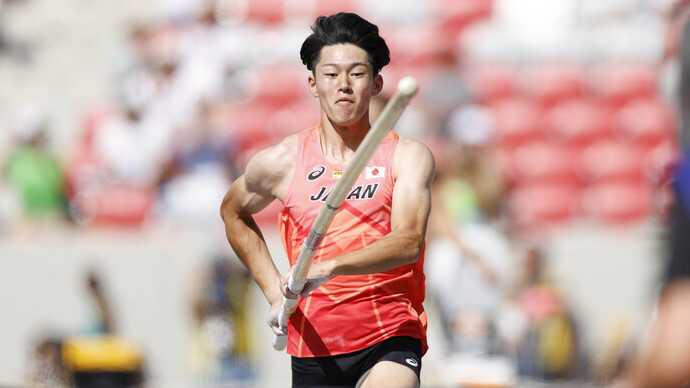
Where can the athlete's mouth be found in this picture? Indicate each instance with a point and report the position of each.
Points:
(343, 101)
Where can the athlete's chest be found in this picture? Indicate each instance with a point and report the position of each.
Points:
(318, 181)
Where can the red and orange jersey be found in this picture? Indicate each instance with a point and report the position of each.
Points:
(348, 313)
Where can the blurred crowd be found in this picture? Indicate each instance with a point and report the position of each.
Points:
(529, 134)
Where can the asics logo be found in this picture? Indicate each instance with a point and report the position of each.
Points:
(412, 362)
(316, 173)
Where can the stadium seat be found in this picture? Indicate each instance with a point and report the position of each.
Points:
(647, 122)
(492, 82)
(291, 119)
(578, 122)
(618, 202)
(265, 11)
(421, 44)
(553, 83)
(618, 83)
(329, 7)
(541, 161)
(81, 166)
(543, 205)
(247, 118)
(254, 117)
(118, 205)
(455, 16)
(611, 160)
(254, 126)
(659, 160)
(276, 85)
(518, 120)
(394, 72)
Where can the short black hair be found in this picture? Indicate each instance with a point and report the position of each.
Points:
(342, 28)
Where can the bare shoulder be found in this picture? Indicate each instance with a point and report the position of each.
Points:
(414, 158)
(270, 169)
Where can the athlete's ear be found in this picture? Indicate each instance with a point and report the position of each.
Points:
(312, 85)
(378, 85)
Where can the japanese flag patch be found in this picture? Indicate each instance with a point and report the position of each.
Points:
(375, 172)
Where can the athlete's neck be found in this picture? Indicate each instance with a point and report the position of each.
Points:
(339, 142)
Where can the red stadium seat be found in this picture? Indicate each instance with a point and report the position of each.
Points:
(394, 72)
(455, 16)
(619, 83)
(517, 121)
(292, 119)
(247, 119)
(579, 122)
(114, 205)
(541, 161)
(543, 205)
(553, 83)
(611, 160)
(277, 85)
(660, 159)
(421, 44)
(329, 7)
(492, 82)
(82, 162)
(253, 118)
(265, 11)
(648, 122)
(255, 126)
(619, 202)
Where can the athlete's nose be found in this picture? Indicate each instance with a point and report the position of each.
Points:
(344, 83)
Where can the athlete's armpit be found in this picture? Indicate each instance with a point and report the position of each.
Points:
(268, 173)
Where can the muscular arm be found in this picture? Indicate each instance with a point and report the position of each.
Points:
(265, 177)
(414, 169)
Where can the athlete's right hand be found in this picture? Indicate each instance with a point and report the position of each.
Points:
(312, 283)
(273, 314)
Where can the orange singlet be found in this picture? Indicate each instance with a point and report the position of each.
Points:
(349, 313)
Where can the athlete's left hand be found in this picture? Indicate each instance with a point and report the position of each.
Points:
(273, 313)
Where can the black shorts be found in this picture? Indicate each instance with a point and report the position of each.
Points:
(345, 370)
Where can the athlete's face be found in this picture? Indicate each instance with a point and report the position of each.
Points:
(344, 82)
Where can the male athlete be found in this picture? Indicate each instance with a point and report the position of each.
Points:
(362, 322)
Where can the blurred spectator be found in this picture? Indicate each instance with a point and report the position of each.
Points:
(93, 357)
(469, 254)
(45, 367)
(613, 354)
(471, 128)
(445, 91)
(113, 170)
(546, 346)
(9, 45)
(102, 320)
(220, 349)
(131, 147)
(97, 357)
(201, 167)
(33, 170)
(206, 55)
(3, 43)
